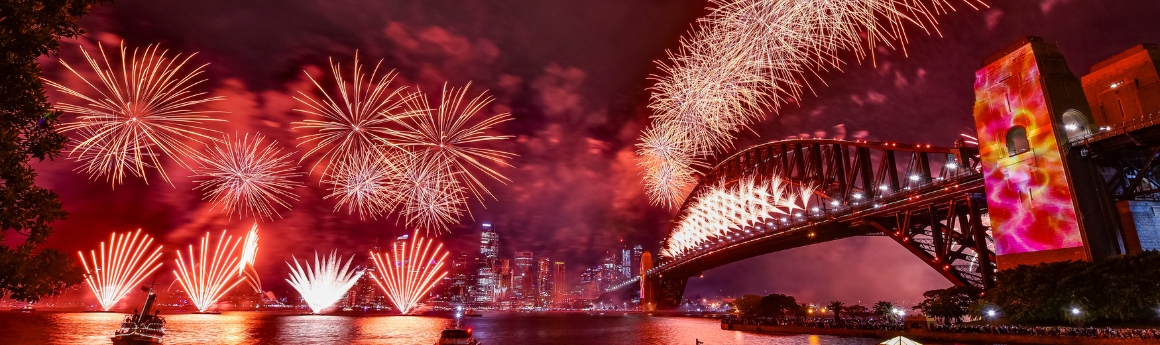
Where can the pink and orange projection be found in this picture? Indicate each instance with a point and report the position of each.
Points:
(1028, 194)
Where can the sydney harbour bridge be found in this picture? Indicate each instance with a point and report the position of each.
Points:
(932, 200)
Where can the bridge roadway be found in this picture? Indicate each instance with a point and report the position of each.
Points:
(937, 217)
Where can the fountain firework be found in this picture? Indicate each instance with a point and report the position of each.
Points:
(325, 283)
(409, 271)
(120, 266)
(249, 256)
(209, 275)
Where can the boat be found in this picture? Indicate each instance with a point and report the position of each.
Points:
(142, 328)
(457, 336)
(25, 309)
(471, 313)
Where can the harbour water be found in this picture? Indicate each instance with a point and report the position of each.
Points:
(492, 329)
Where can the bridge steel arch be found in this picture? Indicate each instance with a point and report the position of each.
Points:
(928, 199)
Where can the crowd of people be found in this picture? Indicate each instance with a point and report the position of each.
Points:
(1096, 332)
(848, 323)
(891, 325)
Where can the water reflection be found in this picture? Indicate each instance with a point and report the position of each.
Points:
(493, 329)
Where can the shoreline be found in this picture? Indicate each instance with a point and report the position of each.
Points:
(935, 336)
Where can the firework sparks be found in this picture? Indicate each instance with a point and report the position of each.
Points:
(209, 275)
(722, 211)
(138, 112)
(325, 283)
(753, 56)
(430, 195)
(120, 267)
(366, 184)
(249, 256)
(357, 119)
(409, 271)
(447, 136)
(247, 177)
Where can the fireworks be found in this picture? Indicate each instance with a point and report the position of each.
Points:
(120, 267)
(723, 210)
(247, 177)
(209, 275)
(139, 111)
(357, 119)
(325, 283)
(445, 136)
(409, 271)
(367, 183)
(430, 195)
(753, 56)
(249, 256)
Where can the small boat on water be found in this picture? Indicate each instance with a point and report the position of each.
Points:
(25, 309)
(471, 313)
(142, 328)
(457, 337)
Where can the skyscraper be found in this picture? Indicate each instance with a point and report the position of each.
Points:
(559, 285)
(523, 281)
(544, 283)
(625, 264)
(636, 252)
(487, 281)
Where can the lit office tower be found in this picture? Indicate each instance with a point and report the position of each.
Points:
(487, 282)
(459, 281)
(625, 263)
(559, 284)
(610, 271)
(590, 282)
(504, 292)
(523, 281)
(544, 283)
(636, 252)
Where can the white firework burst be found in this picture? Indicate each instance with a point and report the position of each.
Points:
(248, 177)
(142, 108)
(323, 284)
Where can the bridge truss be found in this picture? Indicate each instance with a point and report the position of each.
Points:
(928, 199)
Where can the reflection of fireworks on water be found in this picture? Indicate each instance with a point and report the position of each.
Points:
(409, 271)
(325, 283)
(209, 275)
(722, 211)
(120, 267)
(249, 257)
(355, 119)
(752, 56)
(447, 136)
(247, 177)
(137, 112)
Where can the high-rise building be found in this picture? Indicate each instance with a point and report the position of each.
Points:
(590, 282)
(365, 293)
(625, 263)
(487, 280)
(636, 252)
(559, 284)
(544, 283)
(504, 295)
(457, 283)
(609, 272)
(523, 279)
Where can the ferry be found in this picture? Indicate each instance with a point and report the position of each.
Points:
(457, 337)
(142, 328)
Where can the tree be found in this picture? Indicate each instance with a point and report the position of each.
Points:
(747, 305)
(778, 305)
(28, 30)
(950, 303)
(836, 308)
(884, 309)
